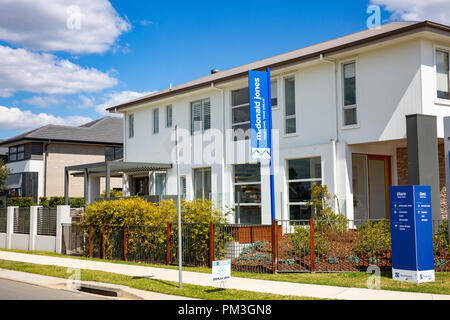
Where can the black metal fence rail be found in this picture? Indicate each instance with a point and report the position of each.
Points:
(3, 220)
(286, 246)
(46, 221)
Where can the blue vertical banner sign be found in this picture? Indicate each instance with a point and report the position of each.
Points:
(261, 123)
(411, 234)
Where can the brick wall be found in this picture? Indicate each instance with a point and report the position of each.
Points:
(63, 155)
(402, 174)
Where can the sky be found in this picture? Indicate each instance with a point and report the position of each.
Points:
(65, 61)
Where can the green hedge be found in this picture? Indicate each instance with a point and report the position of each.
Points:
(23, 202)
(59, 201)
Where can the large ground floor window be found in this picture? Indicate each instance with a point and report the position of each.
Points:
(302, 174)
(202, 183)
(247, 193)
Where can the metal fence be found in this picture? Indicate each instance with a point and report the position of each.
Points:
(21, 220)
(3, 220)
(46, 222)
(287, 246)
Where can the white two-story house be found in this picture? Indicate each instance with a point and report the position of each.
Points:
(339, 117)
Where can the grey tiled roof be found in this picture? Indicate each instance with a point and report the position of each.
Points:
(107, 130)
(327, 47)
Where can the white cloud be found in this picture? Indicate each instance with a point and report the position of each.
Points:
(86, 102)
(78, 26)
(16, 119)
(22, 70)
(116, 98)
(43, 101)
(417, 10)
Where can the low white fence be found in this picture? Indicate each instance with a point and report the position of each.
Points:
(34, 228)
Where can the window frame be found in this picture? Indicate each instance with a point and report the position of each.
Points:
(131, 126)
(169, 124)
(203, 130)
(16, 153)
(342, 92)
(293, 116)
(277, 106)
(253, 183)
(155, 120)
(113, 153)
(436, 48)
(289, 181)
(203, 169)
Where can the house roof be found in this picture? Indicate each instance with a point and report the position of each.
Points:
(314, 51)
(107, 130)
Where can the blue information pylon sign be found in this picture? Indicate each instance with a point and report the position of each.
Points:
(411, 233)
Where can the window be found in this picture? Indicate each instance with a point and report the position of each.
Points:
(247, 193)
(349, 75)
(131, 126)
(202, 183)
(442, 75)
(302, 174)
(289, 97)
(240, 108)
(16, 153)
(183, 186)
(200, 115)
(155, 120)
(169, 116)
(113, 153)
(160, 183)
(274, 93)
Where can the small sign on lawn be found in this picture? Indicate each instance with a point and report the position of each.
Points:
(221, 270)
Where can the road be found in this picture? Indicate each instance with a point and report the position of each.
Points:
(12, 290)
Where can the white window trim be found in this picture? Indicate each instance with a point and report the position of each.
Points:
(342, 96)
(437, 100)
(285, 117)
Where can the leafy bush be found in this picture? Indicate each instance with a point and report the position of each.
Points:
(23, 202)
(440, 238)
(300, 242)
(290, 261)
(333, 260)
(374, 239)
(438, 263)
(53, 202)
(197, 215)
(112, 193)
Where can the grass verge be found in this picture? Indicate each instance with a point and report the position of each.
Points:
(344, 279)
(154, 285)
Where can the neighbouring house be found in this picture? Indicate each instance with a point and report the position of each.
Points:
(37, 159)
(340, 108)
(3, 154)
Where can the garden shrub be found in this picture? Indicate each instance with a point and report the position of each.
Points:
(23, 202)
(333, 260)
(53, 202)
(353, 259)
(148, 223)
(374, 239)
(440, 238)
(300, 242)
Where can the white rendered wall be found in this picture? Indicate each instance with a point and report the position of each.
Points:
(30, 166)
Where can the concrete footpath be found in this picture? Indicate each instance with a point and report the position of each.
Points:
(204, 279)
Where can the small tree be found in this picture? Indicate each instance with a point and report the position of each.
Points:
(4, 172)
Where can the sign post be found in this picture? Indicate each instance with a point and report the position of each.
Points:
(261, 123)
(411, 234)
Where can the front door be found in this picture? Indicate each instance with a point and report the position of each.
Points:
(371, 181)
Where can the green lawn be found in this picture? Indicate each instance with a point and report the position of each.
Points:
(345, 279)
(154, 285)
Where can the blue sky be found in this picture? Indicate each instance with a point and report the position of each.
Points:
(122, 49)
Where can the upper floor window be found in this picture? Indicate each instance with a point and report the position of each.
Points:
(349, 81)
(16, 153)
(131, 126)
(274, 93)
(240, 108)
(200, 115)
(442, 75)
(113, 153)
(169, 116)
(155, 120)
(289, 112)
